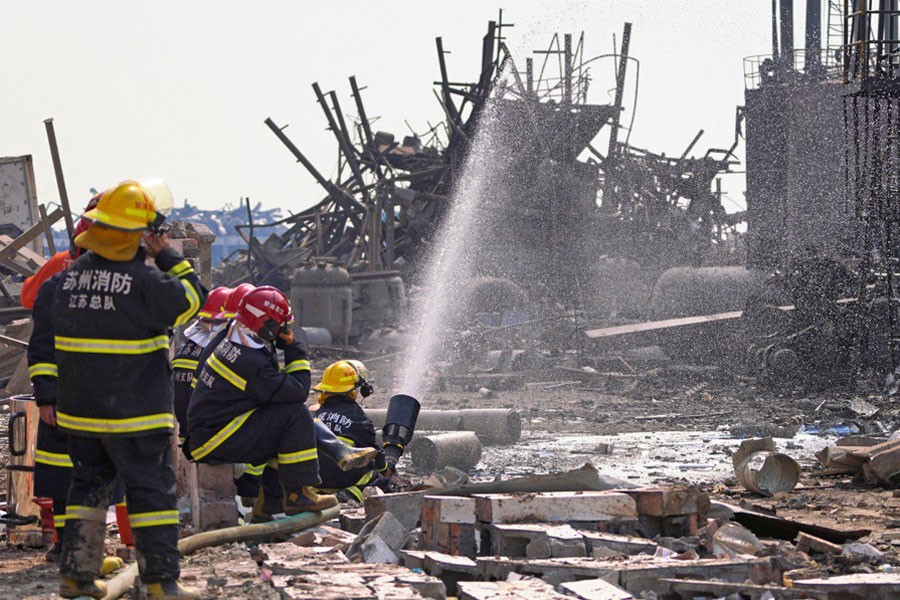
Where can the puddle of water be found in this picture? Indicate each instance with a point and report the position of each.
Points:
(641, 457)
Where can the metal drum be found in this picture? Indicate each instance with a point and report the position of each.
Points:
(321, 297)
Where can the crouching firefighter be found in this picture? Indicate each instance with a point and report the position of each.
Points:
(198, 333)
(111, 313)
(343, 385)
(246, 409)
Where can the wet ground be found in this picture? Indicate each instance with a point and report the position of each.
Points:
(677, 425)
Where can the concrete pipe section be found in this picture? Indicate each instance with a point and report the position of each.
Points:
(492, 426)
(459, 449)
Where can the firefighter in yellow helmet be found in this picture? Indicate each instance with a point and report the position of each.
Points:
(342, 385)
(111, 317)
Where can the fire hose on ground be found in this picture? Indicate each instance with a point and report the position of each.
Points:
(399, 425)
(124, 581)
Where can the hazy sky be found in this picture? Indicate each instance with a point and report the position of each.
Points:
(180, 90)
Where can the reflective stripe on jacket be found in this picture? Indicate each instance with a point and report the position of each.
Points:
(111, 322)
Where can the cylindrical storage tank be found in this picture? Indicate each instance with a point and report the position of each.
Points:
(317, 336)
(321, 296)
(687, 291)
(379, 300)
(460, 449)
(690, 291)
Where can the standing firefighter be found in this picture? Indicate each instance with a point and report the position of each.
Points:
(111, 315)
(52, 465)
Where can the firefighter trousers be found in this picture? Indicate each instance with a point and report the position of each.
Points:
(144, 464)
(283, 432)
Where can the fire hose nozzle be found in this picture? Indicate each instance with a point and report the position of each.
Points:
(399, 424)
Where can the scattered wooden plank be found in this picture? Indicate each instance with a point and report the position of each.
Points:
(885, 462)
(807, 542)
(635, 328)
(859, 440)
(839, 457)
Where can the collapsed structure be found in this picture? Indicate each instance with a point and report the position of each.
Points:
(649, 222)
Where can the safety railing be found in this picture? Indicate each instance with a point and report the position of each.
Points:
(872, 41)
(798, 66)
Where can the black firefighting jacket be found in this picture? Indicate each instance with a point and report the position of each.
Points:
(350, 423)
(112, 320)
(52, 447)
(237, 379)
(41, 351)
(185, 362)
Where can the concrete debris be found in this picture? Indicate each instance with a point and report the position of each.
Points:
(860, 586)
(298, 572)
(379, 540)
(407, 506)
(555, 507)
(860, 550)
(595, 589)
(450, 569)
(324, 536)
(531, 589)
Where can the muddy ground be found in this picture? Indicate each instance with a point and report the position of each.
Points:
(656, 424)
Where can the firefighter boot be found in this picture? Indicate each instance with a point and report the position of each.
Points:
(73, 588)
(110, 564)
(346, 457)
(305, 499)
(264, 507)
(171, 589)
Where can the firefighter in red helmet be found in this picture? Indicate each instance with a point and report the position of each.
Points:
(246, 409)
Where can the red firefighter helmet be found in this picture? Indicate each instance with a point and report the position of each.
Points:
(215, 302)
(264, 311)
(230, 306)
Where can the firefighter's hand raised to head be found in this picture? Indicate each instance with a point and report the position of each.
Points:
(155, 243)
(285, 337)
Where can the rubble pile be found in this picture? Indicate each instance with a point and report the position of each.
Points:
(660, 542)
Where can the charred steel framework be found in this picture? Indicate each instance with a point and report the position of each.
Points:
(871, 70)
(389, 196)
